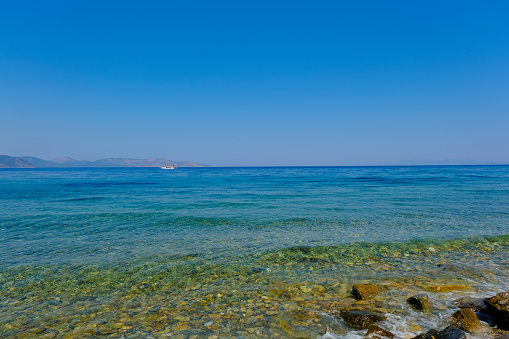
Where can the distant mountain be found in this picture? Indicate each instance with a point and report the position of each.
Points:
(445, 162)
(70, 162)
(122, 162)
(36, 162)
(7, 161)
(155, 162)
(31, 162)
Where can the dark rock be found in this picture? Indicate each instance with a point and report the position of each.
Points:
(364, 291)
(488, 319)
(476, 305)
(375, 331)
(255, 270)
(451, 332)
(466, 319)
(360, 319)
(447, 267)
(431, 334)
(498, 307)
(419, 302)
(505, 336)
(302, 249)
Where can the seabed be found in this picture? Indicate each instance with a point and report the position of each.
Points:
(287, 293)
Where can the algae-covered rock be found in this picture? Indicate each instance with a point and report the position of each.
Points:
(364, 291)
(419, 302)
(466, 319)
(360, 319)
(498, 307)
(378, 332)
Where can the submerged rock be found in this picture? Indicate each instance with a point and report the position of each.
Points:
(498, 307)
(447, 288)
(476, 305)
(466, 319)
(364, 291)
(419, 302)
(377, 332)
(360, 319)
(448, 267)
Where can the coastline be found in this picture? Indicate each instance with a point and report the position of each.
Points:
(282, 293)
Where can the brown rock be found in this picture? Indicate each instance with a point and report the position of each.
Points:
(341, 304)
(360, 319)
(466, 319)
(364, 291)
(419, 302)
(377, 332)
(498, 307)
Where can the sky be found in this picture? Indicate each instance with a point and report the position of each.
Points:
(256, 83)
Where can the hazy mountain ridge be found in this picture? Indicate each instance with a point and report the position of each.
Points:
(7, 161)
(445, 162)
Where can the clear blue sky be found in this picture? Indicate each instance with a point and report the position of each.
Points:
(239, 83)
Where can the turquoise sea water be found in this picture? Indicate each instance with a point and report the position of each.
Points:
(137, 252)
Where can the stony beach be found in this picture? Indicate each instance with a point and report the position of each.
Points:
(301, 292)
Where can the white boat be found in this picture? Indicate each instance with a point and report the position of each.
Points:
(168, 167)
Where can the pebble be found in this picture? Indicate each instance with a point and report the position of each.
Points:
(281, 302)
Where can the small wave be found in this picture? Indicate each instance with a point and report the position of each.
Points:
(110, 183)
(84, 199)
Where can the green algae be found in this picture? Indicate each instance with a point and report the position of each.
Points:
(279, 292)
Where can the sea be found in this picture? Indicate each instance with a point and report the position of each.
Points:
(259, 252)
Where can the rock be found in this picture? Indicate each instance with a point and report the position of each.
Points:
(431, 334)
(319, 288)
(305, 289)
(364, 291)
(451, 332)
(466, 319)
(498, 307)
(419, 302)
(375, 331)
(447, 267)
(506, 336)
(360, 319)
(447, 288)
(476, 305)
(342, 304)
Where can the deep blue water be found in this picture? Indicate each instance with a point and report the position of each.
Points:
(62, 215)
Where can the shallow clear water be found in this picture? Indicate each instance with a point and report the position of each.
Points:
(138, 252)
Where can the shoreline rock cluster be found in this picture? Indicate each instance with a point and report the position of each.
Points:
(474, 316)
